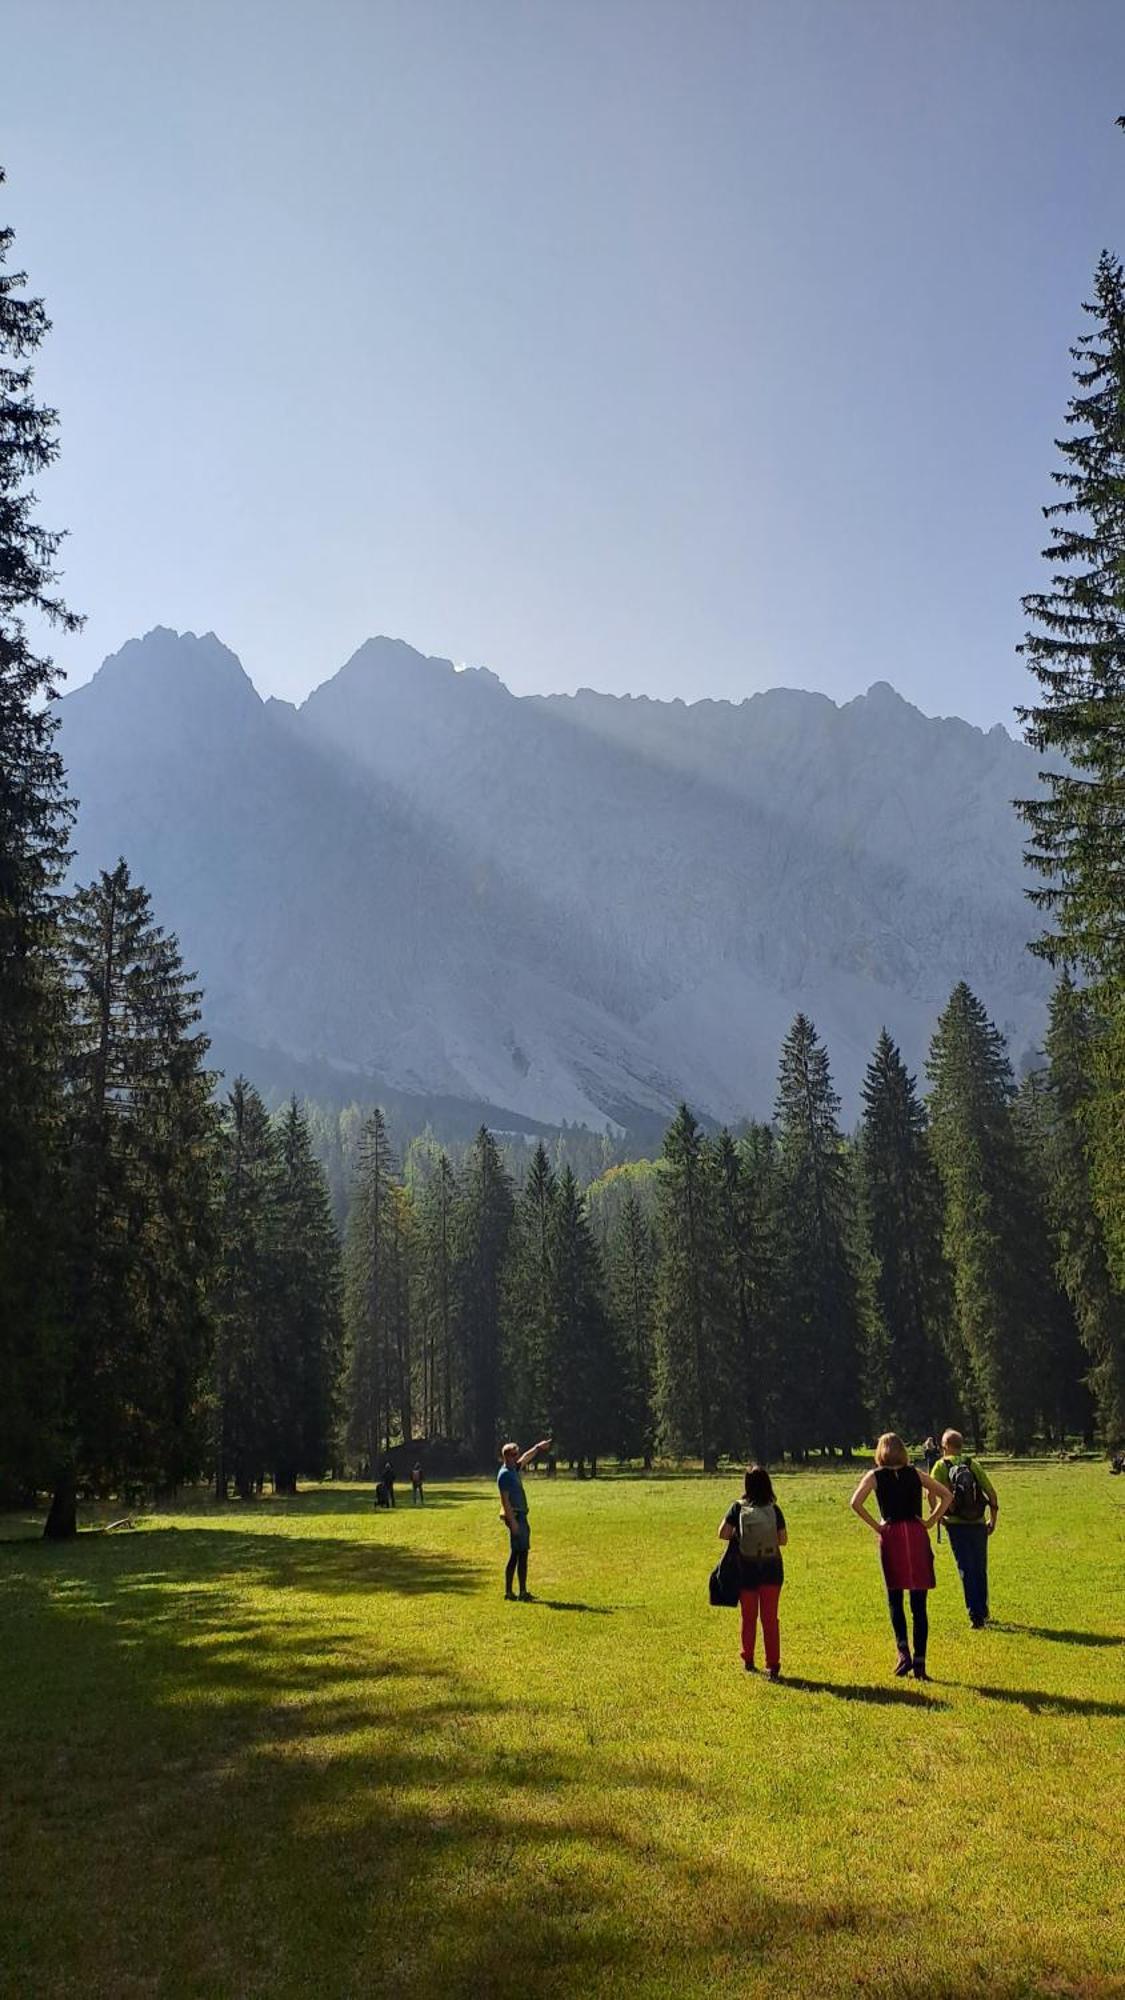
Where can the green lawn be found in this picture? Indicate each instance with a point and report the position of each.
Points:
(300, 1748)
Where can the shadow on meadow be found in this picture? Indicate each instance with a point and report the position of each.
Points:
(268, 1800)
(913, 1693)
(1060, 1634)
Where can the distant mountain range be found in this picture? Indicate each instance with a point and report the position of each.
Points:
(534, 909)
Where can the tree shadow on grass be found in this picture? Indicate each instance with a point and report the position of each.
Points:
(308, 1811)
(913, 1693)
(1059, 1633)
(1038, 1701)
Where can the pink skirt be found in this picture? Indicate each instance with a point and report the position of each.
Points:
(908, 1558)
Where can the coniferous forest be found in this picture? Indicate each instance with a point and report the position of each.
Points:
(179, 1301)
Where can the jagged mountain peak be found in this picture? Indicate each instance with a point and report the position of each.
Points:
(166, 667)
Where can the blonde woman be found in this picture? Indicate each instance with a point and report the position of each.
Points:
(904, 1542)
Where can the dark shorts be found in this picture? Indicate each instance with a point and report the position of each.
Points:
(520, 1536)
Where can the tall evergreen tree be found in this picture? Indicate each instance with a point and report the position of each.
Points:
(484, 1219)
(1063, 1400)
(632, 1295)
(307, 1328)
(246, 1293)
(1083, 1264)
(902, 1214)
(528, 1300)
(989, 1219)
(141, 1131)
(582, 1371)
(763, 1202)
(689, 1327)
(442, 1392)
(823, 1339)
(371, 1294)
(35, 819)
(1076, 650)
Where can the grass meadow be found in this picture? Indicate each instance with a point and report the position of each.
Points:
(302, 1748)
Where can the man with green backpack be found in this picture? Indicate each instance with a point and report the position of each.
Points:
(974, 1495)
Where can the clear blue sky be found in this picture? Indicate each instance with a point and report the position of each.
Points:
(681, 346)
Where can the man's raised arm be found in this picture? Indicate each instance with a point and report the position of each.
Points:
(529, 1455)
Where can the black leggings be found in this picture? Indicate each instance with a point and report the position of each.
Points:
(516, 1564)
(919, 1618)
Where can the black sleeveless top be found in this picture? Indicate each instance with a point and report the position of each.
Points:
(898, 1490)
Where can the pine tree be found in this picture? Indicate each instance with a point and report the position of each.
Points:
(632, 1294)
(823, 1336)
(988, 1219)
(307, 1328)
(1083, 1264)
(582, 1371)
(483, 1221)
(1076, 650)
(902, 1215)
(688, 1326)
(139, 1200)
(527, 1327)
(35, 818)
(1063, 1401)
(370, 1294)
(767, 1386)
(247, 1301)
(442, 1397)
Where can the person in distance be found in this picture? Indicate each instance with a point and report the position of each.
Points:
(759, 1525)
(971, 1495)
(904, 1542)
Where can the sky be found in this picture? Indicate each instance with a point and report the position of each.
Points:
(678, 347)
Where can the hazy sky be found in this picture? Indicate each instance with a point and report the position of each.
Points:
(681, 346)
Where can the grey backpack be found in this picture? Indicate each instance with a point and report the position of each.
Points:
(757, 1532)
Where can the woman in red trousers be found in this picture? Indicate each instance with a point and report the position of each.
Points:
(759, 1525)
(904, 1542)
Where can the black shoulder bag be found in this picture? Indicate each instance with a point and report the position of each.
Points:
(725, 1581)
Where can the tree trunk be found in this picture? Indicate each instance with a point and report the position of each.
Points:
(61, 1524)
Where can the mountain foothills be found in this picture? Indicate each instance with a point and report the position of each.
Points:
(580, 908)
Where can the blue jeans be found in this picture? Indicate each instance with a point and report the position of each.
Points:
(969, 1543)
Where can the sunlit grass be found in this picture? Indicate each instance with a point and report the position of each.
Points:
(304, 1748)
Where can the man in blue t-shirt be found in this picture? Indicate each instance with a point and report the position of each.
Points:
(513, 1509)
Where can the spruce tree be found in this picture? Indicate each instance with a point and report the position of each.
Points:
(442, 1398)
(1076, 651)
(35, 818)
(483, 1222)
(766, 1391)
(141, 1134)
(1075, 648)
(822, 1321)
(989, 1220)
(902, 1216)
(583, 1376)
(247, 1294)
(527, 1300)
(306, 1284)
(689, 1328)
(371, 1295)
(1063, 1400)
(1083, 1264)
(632, 1295)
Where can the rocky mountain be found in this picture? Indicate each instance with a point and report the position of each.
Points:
(575, 907)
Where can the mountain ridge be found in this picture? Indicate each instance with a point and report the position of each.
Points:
(576, 906)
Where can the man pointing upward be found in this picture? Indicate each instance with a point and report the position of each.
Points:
(513, 1508)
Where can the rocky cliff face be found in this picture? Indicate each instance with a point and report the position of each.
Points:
(574, 907)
